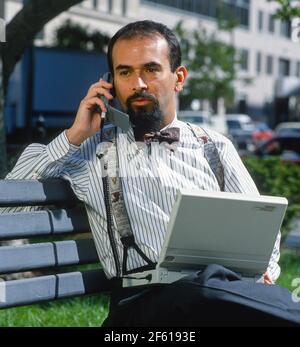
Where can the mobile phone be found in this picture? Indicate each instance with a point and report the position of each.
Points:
(114, 114)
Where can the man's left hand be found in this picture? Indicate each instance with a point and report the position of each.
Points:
(267, 279)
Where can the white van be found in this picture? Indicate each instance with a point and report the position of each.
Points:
(287, 128)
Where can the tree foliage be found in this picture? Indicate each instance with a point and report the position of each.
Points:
(273, 177)
(211, 64)
(74, 36)
(288, 9)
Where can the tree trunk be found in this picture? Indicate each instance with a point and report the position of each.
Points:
(20, 33)
(26, 24)
(3, 167)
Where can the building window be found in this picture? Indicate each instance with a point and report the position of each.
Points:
(244, 59)
(110, 5)
(269, 67)
(285, 28)
(260, 21)
(298, 69)
(258, 62)
(95, 4)
(284, 67)
(238, 8)
(271, 23)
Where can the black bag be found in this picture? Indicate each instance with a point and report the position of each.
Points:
(213, 297)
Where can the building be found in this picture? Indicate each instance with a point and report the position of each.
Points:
(104, 15)
(269, 47)
(271, 54)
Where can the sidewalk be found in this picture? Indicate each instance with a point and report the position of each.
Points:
(293, 238)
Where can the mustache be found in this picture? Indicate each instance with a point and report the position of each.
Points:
(139, 95)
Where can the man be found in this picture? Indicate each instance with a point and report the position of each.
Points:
(145, 62)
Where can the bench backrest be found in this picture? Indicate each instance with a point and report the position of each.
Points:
(59, 213)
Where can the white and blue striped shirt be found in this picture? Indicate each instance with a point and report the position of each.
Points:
(151, 176)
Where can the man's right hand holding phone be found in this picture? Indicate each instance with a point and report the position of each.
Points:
(88, 117)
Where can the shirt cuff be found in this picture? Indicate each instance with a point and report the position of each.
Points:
(60, 148)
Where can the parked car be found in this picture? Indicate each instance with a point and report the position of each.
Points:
(286, 146)
(200, 118)
(262, 133)
(205, 120)
(240, 128)
(287, 128)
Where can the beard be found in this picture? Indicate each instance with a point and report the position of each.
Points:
(144, 119)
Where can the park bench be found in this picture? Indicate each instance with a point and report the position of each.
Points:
(61, 221)
(60, 214)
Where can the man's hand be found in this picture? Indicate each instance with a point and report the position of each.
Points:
(267, 279)
(88, 117)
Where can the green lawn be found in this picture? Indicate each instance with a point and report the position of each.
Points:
(76, 312)
(290, 268)
(91, 311)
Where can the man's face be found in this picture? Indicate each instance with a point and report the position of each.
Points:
(144, 83)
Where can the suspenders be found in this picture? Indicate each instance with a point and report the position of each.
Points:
(117, 217)
(116, 213)
(210, 152)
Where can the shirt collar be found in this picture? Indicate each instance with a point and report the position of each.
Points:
(174, 123)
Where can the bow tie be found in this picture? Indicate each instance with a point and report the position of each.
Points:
(169, 135)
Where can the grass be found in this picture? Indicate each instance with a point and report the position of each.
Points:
(77, 312)
(91, 311)
(290, 268)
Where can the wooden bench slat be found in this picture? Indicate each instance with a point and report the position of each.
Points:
(64, 219)
(39, 289)
(45, 255)
(24, 224)
(34, 192)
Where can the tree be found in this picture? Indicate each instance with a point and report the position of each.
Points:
(75, 36)
(20, 33)
(288, 9)
(2, 129)
(26, 24)
(211, 63)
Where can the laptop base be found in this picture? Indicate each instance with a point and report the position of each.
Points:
(165, 276)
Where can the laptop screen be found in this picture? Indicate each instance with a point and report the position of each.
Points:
(229, 229)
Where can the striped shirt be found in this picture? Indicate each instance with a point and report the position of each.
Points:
(150, 174)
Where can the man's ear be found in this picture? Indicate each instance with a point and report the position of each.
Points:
(181, 75)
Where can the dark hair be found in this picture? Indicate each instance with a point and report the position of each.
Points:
(147, 28)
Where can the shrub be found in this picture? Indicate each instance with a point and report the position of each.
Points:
(274, 177)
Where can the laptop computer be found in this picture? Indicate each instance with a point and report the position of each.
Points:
(234, 230)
